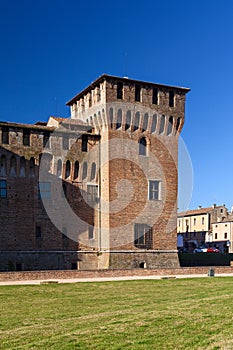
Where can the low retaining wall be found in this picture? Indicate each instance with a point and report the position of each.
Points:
(73, 274)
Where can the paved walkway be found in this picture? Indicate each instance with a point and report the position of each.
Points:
(106, 279)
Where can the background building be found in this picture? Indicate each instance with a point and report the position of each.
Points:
(195, 226)
(97, 190)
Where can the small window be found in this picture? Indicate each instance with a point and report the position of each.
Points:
(68, 167)
(22, 167)
(171, 99)
(136, 121)
(111, 117)
(137, 93)
(76, 169)
(65, 142)
(92, 193)
(5, 135)
(45, 190)
(38, 232)
(194, 221)
(93, 171)
(155, 96)
(203, 221)
(84, 143)
(3, 165)
(59, 168)
(3, 189)
(46, 140)
(154, 190)
(178, 124)
(225, 235)
(26, 137)
(170, 126)
(119, 90)
(145, 122)
(162, 124)
(90, 232)
(13, 166)
(128, 120)
(119, 119)
(84, 175)
(142, 147)
(216, 236)
(32, 167)
(154, 123)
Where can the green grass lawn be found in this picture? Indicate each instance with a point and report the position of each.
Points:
(146, 314)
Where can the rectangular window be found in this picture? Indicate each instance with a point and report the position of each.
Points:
(90, 232)
(84, 143)
(26, 137)
(137, 93)
(171, 99)
(194, 221)
(120, 90)
(203, 221)
(5, 135)
(142, 235)
(155, 96)
(44, 190)
(225, 235)
(46, 140)
(3, 189)
(216, 236)
(154, 190)
(92, 193)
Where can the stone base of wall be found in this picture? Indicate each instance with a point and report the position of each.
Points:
(143, 259)
(39, 260)
(128, 260)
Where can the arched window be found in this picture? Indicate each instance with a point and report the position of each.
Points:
(111, 117)
(162, 124)
(142, 146)
(128, 120)
(84, 175)
(93, 171)
(67, 173)
(59, 168)
(13, 166)
(136, 121)
(32, 167)
(154, 123)
(3, 165)
(76, 169)
(119, 119)
(145, 122)
(22, 167)
(170, 126)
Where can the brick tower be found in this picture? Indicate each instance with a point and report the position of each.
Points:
(135, 202)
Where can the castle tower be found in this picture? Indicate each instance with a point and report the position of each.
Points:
(139, 124)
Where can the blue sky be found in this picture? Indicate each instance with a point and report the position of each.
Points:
(50, 49)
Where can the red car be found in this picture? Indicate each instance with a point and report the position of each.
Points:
(212, 250)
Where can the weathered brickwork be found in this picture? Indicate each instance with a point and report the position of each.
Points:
(108, 181)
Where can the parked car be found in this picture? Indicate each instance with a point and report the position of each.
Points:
(200, 250)
(212, 250)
